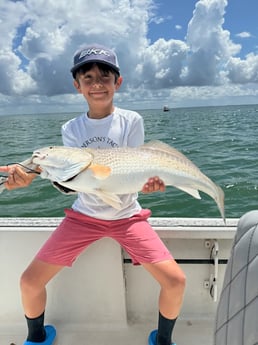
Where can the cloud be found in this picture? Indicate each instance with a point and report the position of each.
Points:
(209, 43)
(244, 34)
(53, 30)
(243, 71)
(39, 38)
(178, 27)
(161, 64)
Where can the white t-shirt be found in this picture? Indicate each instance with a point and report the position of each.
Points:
(121, 128)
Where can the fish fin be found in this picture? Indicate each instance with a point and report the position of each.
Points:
(191, 191)
(157, 144)
(109, 198)
(62, 174)
(167, 149)
(161, 146)
(100, 172)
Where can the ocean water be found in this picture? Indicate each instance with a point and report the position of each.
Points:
(221, 141)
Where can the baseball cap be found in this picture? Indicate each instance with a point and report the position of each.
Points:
(95, 53)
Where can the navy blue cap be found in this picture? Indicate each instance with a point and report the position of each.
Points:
(95, 53)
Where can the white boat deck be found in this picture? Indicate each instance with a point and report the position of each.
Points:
(198, 332)
(104, 299)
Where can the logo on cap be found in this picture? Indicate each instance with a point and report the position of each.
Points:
(93, 51)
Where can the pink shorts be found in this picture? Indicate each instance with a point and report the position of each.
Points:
(77, 231)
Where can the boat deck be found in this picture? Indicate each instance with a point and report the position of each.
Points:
(104, 299)
(187, 332)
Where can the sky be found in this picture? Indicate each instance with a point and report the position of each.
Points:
(179, 53)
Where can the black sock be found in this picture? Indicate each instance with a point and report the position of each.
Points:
(36, 330)
(165, 329)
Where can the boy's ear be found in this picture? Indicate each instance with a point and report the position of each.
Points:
(119, 82)
(77, 85)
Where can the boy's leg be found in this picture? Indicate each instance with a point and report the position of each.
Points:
(145, 247)
(63, 247)
(172, 282)
(33, 292)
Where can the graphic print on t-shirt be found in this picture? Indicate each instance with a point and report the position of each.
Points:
(98, 141)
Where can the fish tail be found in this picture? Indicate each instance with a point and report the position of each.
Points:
(220, 202)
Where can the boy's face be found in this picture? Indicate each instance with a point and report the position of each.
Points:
(98, 87)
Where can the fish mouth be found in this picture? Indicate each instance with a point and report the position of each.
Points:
(38, 155)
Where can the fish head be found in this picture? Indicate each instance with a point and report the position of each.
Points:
(61, 163)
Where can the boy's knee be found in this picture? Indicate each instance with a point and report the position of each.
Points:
(177, 280)
(24, 280)
(181, 279)
(28, 283)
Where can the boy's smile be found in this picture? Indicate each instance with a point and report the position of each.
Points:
(98, 88)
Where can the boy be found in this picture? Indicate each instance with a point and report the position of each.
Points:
(97, 77)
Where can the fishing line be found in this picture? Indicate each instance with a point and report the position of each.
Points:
(28, 171)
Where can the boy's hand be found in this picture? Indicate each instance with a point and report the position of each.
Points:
(154, 184)
(17, 177)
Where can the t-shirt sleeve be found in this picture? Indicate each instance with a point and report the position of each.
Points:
(68, 137)
(136, 135)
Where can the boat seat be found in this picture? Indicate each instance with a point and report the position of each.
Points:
(237, 312)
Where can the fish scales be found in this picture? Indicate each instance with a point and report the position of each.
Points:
(147, 161)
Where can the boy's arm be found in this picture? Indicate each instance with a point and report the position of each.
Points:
(17, 177)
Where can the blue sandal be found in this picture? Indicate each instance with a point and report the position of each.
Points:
(50, 337)
(153, 338)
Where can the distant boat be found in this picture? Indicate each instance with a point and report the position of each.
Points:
(166, 108)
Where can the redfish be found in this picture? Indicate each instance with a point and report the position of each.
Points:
(108, 173)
